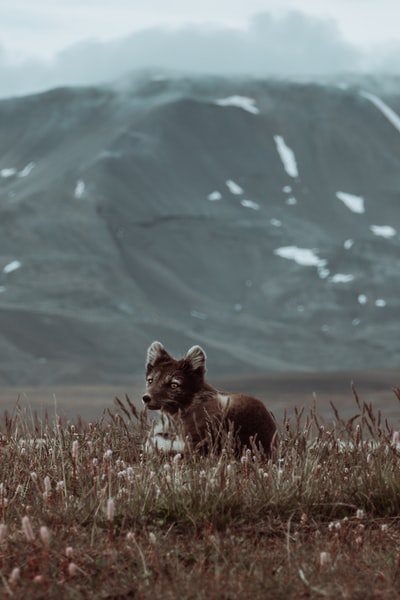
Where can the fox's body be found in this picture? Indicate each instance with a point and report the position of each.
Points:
(191, 408)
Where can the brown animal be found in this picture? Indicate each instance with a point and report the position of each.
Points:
(191, 407)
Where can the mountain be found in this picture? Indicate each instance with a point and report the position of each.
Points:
(259, 219)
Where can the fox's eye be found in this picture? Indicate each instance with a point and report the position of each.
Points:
(149, 380)
(173, 385)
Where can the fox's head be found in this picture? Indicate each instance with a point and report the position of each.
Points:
(171, 384)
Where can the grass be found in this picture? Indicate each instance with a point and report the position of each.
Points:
(84, 514)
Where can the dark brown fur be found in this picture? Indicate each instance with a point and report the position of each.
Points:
(178, 388)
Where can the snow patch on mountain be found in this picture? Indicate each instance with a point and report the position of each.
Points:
(233, 187)
(385, 231)
(243, 102)
(353, 203)
(9, 172)
(380, 303)
(27, 170)
(287, 156)
(348, 244)
(214, 196)
(388, 112)
(79, 189)
(250, 204)
(342, 278)
(13, 172)
(12, 266)
(302, 256)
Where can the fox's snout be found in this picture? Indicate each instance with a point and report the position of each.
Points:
(146, 399)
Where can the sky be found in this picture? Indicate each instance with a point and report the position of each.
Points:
(47, 43)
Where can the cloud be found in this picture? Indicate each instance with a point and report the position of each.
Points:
(292, 45)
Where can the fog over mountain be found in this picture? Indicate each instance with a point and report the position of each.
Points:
(256, 217)
(291, 45)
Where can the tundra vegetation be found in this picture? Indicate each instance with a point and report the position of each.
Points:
(84, 514)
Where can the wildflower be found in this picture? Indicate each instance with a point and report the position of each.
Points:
(72, 569)
(3, 532)
(39, 579)
(75, 447)
(69, 551)
(360, 514)
(152, 538)
(47, 486)
(34, 476)
(27, 529)
(15, 576)
(384, 528)
(45, 535)
(177, 459)
(324, 559)
(358, 435)
(245, 465)
(130, 537)
(110, 509)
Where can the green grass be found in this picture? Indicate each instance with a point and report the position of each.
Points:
(321, 519)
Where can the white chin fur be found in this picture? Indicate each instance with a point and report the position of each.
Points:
(163, 439)
(167, 445)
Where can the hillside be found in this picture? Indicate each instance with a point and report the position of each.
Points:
(260, 219)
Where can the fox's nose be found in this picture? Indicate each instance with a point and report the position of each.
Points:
(146, 399)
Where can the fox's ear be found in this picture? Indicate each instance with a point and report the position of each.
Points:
(154, 353)
(196, 357)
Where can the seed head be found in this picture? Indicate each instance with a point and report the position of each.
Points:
(15, 576)
(110, 509)
(72, 569)
(45, 535)
(152, 538)
(324, 559)
(3, 532)
(75, 447)
(27, 529)
(47, 484)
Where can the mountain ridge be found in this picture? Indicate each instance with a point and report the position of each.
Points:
(169, 210)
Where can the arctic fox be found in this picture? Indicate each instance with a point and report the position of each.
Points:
(191, 409)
